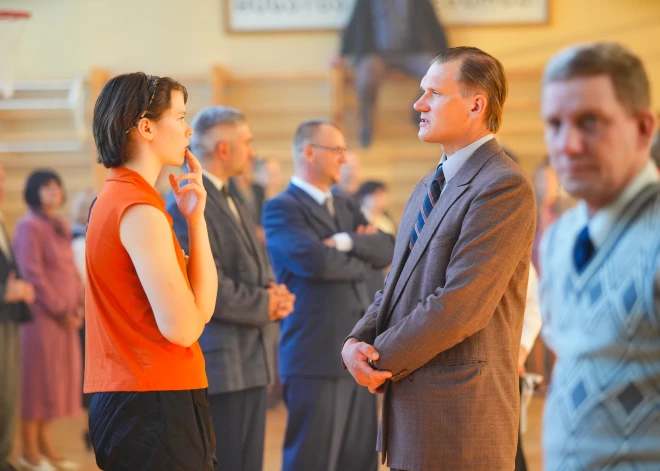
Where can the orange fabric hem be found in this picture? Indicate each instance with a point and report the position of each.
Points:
(143, 387)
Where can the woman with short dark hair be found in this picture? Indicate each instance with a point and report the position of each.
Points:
(146, 305)
(50, 346)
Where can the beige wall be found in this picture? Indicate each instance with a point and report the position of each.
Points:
(67, 37)
(184, 37)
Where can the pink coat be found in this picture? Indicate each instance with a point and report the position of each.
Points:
(50, 352)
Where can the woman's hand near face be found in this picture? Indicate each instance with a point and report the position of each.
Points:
(190, 198)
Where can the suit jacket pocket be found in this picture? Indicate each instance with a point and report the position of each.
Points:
(455, 374)
(466, 352)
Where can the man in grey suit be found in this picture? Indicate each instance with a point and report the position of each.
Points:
(447, 325)
(239, 342)
(323, 248)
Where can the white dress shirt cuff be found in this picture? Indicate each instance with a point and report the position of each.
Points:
(343, 242)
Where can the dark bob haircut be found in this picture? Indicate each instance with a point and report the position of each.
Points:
(35, 181)
(369, 188)
(123, 101)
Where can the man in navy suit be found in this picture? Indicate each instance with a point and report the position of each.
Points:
(322, 248)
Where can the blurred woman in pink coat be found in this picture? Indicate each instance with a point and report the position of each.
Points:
(50, 346)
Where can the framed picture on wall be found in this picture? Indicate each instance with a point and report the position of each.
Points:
(286, 15)
(493, 12)
(243, 16)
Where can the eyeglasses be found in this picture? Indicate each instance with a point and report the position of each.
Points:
(153, 82)
(338, 151)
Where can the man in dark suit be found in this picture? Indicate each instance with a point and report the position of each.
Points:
(448, 323)
(322, 248)
(389, 34)
(239, 341)
(15, 294)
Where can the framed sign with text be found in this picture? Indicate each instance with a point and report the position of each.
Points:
(324, 15)
(492, 12)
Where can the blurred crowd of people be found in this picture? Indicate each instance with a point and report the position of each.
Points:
(302, 270)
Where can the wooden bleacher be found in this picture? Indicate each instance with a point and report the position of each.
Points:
(274, 105)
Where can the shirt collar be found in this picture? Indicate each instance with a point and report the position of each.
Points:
(316, 194)
(219, 184)
(604, 220)
(451, 166)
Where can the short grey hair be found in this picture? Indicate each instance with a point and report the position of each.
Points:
(307, 133)
(625, 69)
(208, 119)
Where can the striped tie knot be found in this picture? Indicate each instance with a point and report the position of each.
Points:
(432, 196)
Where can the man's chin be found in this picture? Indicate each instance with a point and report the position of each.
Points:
(579, 189)
(425, 136)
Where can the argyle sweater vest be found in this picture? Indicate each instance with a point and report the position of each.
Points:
(602, 410)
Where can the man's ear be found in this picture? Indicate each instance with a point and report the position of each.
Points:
(308, 153)
(223, 150)
(479, 103)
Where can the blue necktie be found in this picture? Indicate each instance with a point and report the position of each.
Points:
(584, 249)
(435, 188)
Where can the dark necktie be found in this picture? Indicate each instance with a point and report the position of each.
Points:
(435, 188)
(329, 205)
(233, 209)
(584, 249)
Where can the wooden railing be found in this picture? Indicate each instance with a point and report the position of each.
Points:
(330, 94)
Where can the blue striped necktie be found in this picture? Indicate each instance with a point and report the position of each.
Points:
(435, 188)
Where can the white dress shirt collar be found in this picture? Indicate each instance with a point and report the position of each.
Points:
(604, 220)
(219, 184)
(317, 195)
(451, 166)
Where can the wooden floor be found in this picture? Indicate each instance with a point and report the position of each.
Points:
(68, 436)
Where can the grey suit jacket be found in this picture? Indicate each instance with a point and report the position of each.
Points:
(239, 342)
(449, 320)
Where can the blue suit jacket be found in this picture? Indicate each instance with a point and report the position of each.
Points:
(330, 286)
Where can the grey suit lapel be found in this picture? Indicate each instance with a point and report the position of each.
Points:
(250, 231)
(452, 192)
(219, 201)
(401, 248)
(408, 222)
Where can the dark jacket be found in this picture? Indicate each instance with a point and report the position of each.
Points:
(330, 286)
(10, 312)
(239, 341)
(428, 35)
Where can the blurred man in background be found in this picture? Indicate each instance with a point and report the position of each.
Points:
(388, 34)
(600, 284)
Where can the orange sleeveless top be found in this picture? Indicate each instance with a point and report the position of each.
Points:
(125, 351)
